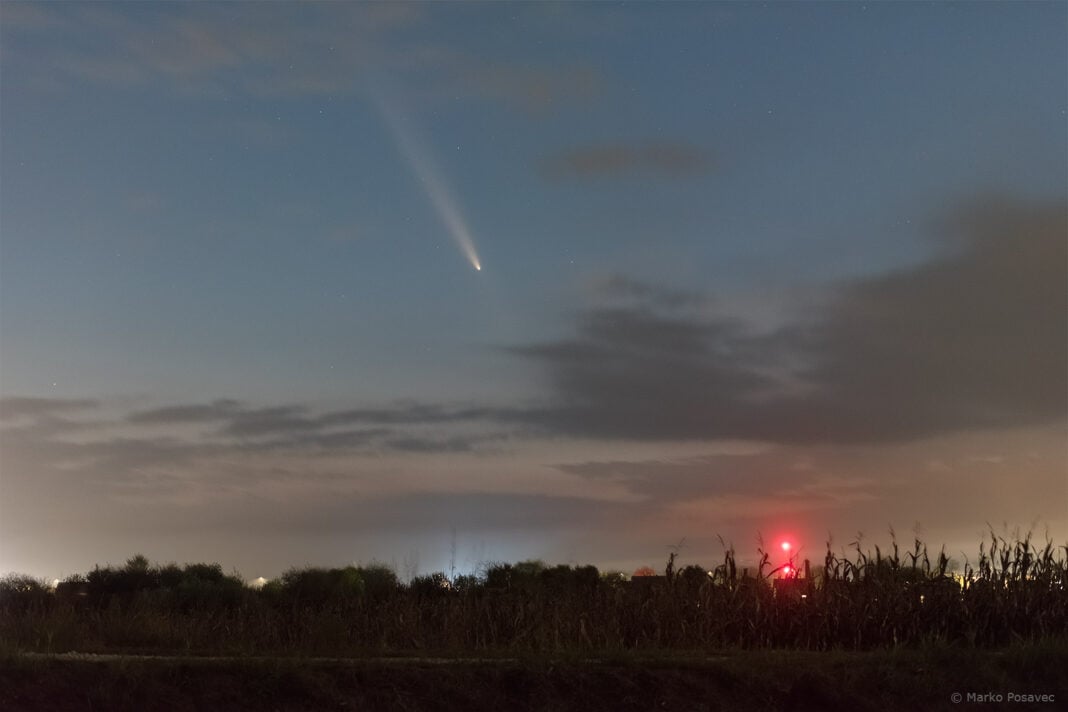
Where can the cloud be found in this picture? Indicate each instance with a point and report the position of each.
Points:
(25, 15)
(267, 421)
(46, 460)
(269, 475)
(974, 338)
(18, 407)
(440, 445)
(274, 50)
(407, 414)
(92, 448)
(648, 158)
(210, 412)
(618, 286)
(633, 372)
(761, 474)
(197, 49)
(406, 429)
(237, 419)
(303, 490)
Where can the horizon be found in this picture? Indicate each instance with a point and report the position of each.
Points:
(287, 285)
(786, 553)
(408, 569)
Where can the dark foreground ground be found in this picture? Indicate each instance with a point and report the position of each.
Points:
(923, 679)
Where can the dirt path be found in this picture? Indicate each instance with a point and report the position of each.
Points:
(119, 657)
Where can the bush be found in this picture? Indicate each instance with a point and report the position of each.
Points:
(321, 587)
(435, 584)
(380, 581)
(20, 593)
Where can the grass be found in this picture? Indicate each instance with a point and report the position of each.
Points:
(920, 678)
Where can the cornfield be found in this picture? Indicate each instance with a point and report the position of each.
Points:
(1015, 592)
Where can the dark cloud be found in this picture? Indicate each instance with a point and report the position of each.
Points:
(202, 413)
(235, 419)
(769, 474)
(36, 459)
(35, 440)
(20, 407)
(268, 421)
(119, 456)
(681, 480)
(409, 414)
(240, 420)
(635, 373)
(295, 422)
(618, 286)
(402, 428)
(674, 160)
(456, 443)
(331, 442)
(974, 338)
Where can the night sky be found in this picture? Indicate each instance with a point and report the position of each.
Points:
(790, 270)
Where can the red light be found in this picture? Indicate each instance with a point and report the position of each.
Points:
(786, 569)
(786, 546)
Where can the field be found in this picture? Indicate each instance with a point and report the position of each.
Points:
(901, 679)
(869, 631)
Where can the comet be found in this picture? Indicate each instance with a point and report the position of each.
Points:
(419, 160)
